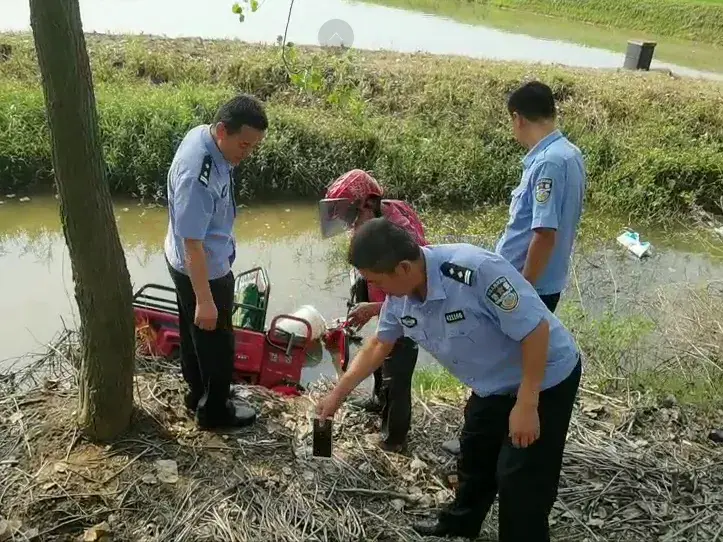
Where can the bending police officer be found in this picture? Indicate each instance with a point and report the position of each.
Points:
(484, 322)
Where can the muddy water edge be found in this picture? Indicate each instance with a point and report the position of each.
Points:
(38, 297)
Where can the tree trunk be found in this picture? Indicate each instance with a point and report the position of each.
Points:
(102, 284)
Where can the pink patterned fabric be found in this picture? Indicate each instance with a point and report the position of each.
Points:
(401, 214)
(354, 185)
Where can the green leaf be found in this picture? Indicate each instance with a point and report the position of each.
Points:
(237, 9)
(254, 5)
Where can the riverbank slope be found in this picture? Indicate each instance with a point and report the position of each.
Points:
(434, 129)
(694, 20)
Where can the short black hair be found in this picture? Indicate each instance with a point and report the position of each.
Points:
(380, 246)
(534, 101)
(242, 110)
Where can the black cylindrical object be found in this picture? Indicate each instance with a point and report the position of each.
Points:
(639, 55)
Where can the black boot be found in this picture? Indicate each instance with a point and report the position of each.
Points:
(234, 416)
(443, 530)
(370, 404)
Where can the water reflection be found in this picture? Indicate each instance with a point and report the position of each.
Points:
(37, 287)
(375, 27)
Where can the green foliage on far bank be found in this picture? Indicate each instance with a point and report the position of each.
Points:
(432, 129)
(697, 20)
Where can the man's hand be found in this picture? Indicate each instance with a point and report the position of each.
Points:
(367, 360)
(206, 315)
(524, 424)
(362, 313)
(538, 254)
(328, 405)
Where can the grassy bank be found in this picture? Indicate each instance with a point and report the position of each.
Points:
(433, 129)
(698, 20)
(695, 20)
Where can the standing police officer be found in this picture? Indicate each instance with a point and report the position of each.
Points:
(485, 323)
(547, 204)
(200, 250)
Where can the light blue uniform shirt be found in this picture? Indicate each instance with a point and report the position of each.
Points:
(550, 196)
(477, 311)
(201, 203)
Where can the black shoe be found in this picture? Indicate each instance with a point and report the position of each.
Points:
(451, 446)
(235, 417)
(393, 448)
(442, 530)
(370, 404)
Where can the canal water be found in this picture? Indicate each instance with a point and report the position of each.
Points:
(38, 297)
(373, 27)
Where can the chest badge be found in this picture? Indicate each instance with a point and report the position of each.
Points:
(503, 294)
(454, 316)
(409, 321)
(543, 189)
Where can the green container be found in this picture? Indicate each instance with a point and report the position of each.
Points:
(246, 317)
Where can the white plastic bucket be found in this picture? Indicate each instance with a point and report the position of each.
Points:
(311, 315)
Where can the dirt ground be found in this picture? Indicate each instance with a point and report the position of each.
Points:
(634, 470)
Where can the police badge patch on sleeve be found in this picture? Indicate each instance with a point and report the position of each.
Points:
(503, 294)
(205, 175)
(543, 189)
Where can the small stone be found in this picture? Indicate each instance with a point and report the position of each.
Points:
(417, 464)
(60, 467)
(716, 436)
(398, 504)
(24, 199)
(126, 209)
(669, 401)
(167, 471)
(16, 417)
(426, 501)
(308, 475)
(442, 496)
(10, 196)
(149, 479)
(97, 532)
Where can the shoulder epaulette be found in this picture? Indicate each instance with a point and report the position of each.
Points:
(205, 174)
(457, 272)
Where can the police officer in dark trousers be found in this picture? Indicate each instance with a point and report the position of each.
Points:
(478, 316)
(200, 250)
(547, 204)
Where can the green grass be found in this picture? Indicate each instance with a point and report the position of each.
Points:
(693, 20)
(434, 130)
(676, 50)
(622, 355)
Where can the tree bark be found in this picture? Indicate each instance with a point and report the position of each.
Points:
(102, 283)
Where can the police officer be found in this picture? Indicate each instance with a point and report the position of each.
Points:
(351, 200)
(485, 323)
(547, 204)
(200, 250)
